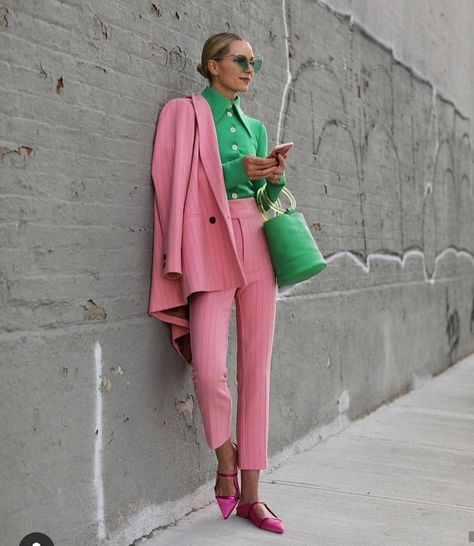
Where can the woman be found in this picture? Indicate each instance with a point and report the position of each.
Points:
(202, 307)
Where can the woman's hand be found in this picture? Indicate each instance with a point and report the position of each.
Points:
(258, 167)
(278, 170)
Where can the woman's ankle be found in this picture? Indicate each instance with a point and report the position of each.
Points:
(247, 499)
(226, 457)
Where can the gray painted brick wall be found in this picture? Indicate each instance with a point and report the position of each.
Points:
(101, 436)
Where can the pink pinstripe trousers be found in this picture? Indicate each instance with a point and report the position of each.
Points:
(255, 316)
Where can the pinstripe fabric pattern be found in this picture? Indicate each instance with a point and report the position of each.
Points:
(209, 324)
(193, 238)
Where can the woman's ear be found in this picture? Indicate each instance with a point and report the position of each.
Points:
(212, 67)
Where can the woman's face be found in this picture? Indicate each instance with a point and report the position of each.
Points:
(228, 77)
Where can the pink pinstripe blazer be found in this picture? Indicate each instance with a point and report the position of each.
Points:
(193, 241)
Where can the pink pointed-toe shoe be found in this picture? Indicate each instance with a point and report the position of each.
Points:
(269, 524)
(227, 503)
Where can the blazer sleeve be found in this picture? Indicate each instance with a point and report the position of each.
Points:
(171, 169)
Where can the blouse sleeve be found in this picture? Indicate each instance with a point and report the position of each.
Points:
(234, 172)
(272, 190)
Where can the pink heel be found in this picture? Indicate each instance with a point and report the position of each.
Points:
(227, 503)
(269, 524)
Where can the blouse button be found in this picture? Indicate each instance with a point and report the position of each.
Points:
(232, 129)
(234, 196)
(229, 114)
(234, 146)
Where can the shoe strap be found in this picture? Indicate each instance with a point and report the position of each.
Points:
(227, 474)
(253, 504)
(266, 506)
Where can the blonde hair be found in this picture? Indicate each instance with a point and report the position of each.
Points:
(215, 46)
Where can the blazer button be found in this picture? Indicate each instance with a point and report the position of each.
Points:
(212, 219)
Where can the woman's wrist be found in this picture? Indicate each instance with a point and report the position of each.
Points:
(275, 178)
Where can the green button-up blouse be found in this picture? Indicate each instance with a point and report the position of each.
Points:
(239, 135)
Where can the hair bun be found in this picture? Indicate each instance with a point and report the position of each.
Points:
(200, 70)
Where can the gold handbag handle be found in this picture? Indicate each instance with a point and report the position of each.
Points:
(263, 199)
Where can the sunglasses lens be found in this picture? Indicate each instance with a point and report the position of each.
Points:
(242, 61)
(257, 65)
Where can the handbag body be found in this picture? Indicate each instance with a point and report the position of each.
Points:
(294, 252)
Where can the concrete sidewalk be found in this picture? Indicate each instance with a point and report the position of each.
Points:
(404, 475)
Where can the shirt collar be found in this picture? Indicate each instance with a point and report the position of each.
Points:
(220, 104)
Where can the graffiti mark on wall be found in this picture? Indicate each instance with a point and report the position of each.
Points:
(471, 325)
(174, 58)
(452, 325)
(383, 161)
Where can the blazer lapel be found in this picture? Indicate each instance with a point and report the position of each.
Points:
(209, 151)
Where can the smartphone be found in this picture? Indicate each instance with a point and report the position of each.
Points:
(282, 149)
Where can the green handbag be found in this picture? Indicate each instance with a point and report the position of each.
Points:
(294, 252)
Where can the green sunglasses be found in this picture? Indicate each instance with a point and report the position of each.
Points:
(243, 62)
